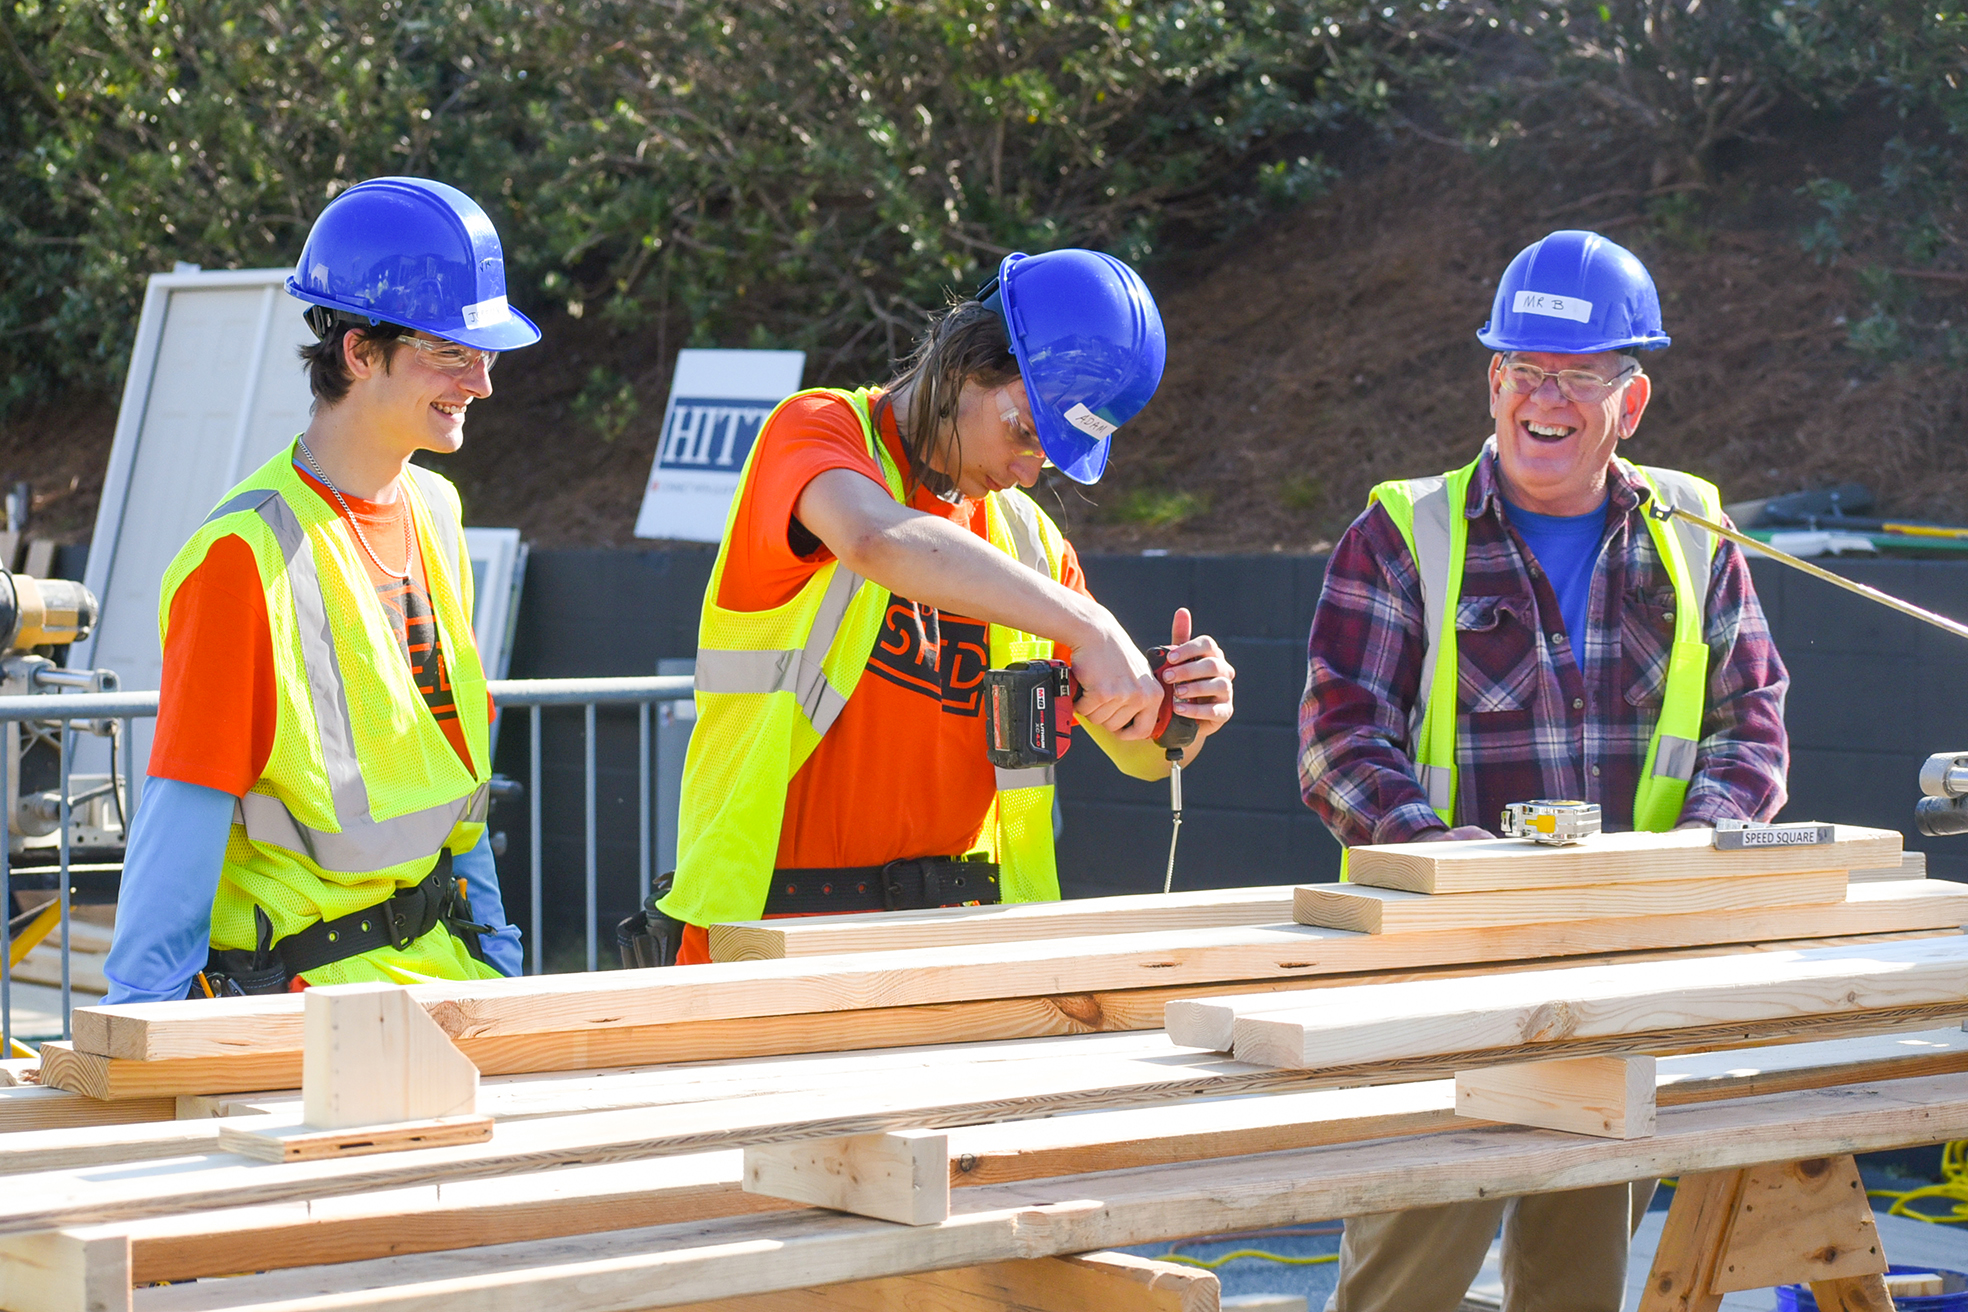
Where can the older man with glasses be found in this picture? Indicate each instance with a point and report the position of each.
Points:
(1521, 628)
(316, 805)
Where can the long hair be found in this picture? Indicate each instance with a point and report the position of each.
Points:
(967, 343)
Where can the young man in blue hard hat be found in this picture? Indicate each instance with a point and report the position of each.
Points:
(881, 554)
(1590, 651)
(315, 811)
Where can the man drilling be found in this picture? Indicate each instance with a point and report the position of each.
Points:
(316, 804)
(1521, 628)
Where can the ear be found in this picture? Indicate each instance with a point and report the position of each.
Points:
(1633, 404)
(361, 354)
(1496, 381)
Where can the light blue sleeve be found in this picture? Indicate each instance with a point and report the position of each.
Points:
(170, 876)
(501, 948)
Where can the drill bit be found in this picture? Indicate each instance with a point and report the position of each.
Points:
(1175, 809)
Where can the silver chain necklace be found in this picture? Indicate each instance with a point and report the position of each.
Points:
(409, 545)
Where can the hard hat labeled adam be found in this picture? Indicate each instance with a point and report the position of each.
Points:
(413, 252)
(1089, 345)
(1575, 293)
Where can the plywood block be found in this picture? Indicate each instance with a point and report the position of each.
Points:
(293, 1140)
(1611, 1097)
(901, 1176)
(1799, 1221)
(1444, 1018)
(372, 1057)
(65, 1271)
(1501, 863)
(1370, 910)
(806, 936)
(1915, 1284)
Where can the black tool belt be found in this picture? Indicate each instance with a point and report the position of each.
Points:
(935, 881)
(396, 922)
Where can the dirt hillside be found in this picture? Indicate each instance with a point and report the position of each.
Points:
(1316, 353)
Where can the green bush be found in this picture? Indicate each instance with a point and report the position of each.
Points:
(806, 172)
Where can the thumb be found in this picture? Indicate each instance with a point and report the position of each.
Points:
(1182, 627)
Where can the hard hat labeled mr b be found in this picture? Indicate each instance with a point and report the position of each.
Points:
(1575, 293)
(1090, 347)
(413, 252)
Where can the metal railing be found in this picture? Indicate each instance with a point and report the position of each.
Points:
(117, 712)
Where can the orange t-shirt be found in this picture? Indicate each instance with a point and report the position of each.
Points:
(902, 771)
(216, 713)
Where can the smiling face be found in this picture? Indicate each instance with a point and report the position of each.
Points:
(412, 404)
(1555, 451)
(995, 446)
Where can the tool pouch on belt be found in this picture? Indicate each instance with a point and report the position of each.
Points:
(650, 938)
(395, 922)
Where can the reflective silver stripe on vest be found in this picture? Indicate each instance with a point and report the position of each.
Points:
(1680, 491)
(1022, 523)
(1437, 780)
(432, 487)
(1431, 548)
(1674, 758)
(801, 673)
(1039, 776)
(364, 844)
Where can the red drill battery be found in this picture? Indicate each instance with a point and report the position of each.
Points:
(1028, 713)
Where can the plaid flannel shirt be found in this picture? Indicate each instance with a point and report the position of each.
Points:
(1539, 713)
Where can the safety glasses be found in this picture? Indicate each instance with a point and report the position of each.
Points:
(1580, 386)
(450, 357)
(1021, 433)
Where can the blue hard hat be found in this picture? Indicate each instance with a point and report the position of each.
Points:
(413, 252)
(1090, 347)
(1575, 293)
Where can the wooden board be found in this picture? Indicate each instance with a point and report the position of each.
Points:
(1394, 1022)
(673, 1265)
(580, 1200)
(1612, 1096)
(32, 1107)
(65, 1271)
(1911, 865)
(294, 1140)
(1109, 1282)
(807, 936)
(902, 1176)
(519, 1024)
(1502, 863)
(1370, 910)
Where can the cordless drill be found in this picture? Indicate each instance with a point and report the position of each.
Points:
(1029, 724)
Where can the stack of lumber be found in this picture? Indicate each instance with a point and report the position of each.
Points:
(660, 1138)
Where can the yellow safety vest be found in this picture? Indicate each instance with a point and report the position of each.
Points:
(362, 789)
(771, 683)
(1430, 514)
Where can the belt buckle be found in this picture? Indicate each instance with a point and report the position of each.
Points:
(402, 930)
(891, 886)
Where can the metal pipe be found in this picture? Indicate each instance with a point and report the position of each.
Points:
(575, 692)
(6, 906)
(533, 830)
(1887, 599)
(594, 950)
(67, 759)
(642, 800)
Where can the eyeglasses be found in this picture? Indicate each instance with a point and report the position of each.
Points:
(450, 357)
(1580, 386)
(1008, 416)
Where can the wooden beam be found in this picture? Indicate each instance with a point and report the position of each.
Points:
(1911, 865)
(807, 936)
(1117, 1281)
(581, 1200)
(1691, 1243)
(65, 1271)
(1394, 1022)
(1609, 1096)
(564, 1021)
(1501, 863)
(678, 1265)
(33, 1107)
(1370, 910)
(902, 1176)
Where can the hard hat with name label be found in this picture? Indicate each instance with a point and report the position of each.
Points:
(413, 252)
(1089, 344)
(1575, 293)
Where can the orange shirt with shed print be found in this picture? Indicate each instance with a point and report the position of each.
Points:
(902, 771)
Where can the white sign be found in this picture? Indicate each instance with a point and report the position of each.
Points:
(718, 402)
(1557, 307)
